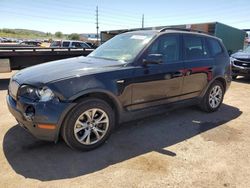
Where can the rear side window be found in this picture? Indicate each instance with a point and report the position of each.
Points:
(215, 47)
(195, 48)
(66, 44)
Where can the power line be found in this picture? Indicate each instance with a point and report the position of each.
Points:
(68, 15)
(79, 10)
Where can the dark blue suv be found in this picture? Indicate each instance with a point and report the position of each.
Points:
(83, 98)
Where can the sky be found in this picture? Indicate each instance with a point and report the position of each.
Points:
(79, 16)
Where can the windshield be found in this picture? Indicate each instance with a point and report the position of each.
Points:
(247, 49)
(123, 47)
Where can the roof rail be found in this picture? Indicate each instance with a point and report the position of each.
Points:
(181, 29)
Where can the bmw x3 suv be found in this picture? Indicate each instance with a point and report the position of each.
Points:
(82, 99)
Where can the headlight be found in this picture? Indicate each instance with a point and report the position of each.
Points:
(45, 94)
(28, 92)
(232, 60)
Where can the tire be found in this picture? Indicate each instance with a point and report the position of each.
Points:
(88, 119)
(214, 93)
(234, 77)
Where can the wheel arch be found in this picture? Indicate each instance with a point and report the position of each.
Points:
(107, 96)
(220, 79)
(103, 95)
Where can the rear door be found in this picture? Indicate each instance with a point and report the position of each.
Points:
(156, 84)
(198, 65)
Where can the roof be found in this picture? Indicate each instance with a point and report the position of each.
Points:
(173, 30)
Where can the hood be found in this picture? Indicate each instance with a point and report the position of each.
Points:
(241, 55)
(61, 69)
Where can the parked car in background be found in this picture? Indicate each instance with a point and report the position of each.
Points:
(69, 44)
(241, 63)
(31, 43)
(5, 40)
(82, 99)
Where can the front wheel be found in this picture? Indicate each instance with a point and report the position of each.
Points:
(213, 97)
(88, 125)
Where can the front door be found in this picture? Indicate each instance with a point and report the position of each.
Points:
(156, 84)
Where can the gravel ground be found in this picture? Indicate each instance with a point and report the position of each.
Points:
(181, 148)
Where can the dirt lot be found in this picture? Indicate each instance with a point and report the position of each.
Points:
(182, 148)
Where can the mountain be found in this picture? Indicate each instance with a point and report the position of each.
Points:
(29, 31)
(24, 33)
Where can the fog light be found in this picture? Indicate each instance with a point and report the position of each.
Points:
(29, 113)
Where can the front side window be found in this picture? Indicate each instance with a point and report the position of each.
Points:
(194, 48)
(167, 46)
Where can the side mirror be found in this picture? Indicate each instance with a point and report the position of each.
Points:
(153, 59)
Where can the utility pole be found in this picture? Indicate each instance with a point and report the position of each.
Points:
(142, 21)
(97, 25)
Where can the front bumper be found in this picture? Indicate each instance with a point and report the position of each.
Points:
(45, 113)
(240, 70)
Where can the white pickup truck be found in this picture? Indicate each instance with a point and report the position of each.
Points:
(69, 44)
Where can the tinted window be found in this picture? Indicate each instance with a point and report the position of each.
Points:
(66, 44)
(168, 46)
(194, 48)
(215, 47)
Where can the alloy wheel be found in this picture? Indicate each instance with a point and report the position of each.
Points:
(215, 96)
(91, 126)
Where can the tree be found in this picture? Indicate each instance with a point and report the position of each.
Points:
(48, 34)
(74, 36)
(58, 34)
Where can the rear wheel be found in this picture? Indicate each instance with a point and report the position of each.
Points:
(88, 125)
(213, 97)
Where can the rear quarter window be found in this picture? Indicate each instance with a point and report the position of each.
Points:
(215, 47)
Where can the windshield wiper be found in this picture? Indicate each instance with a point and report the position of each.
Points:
(104, 58)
